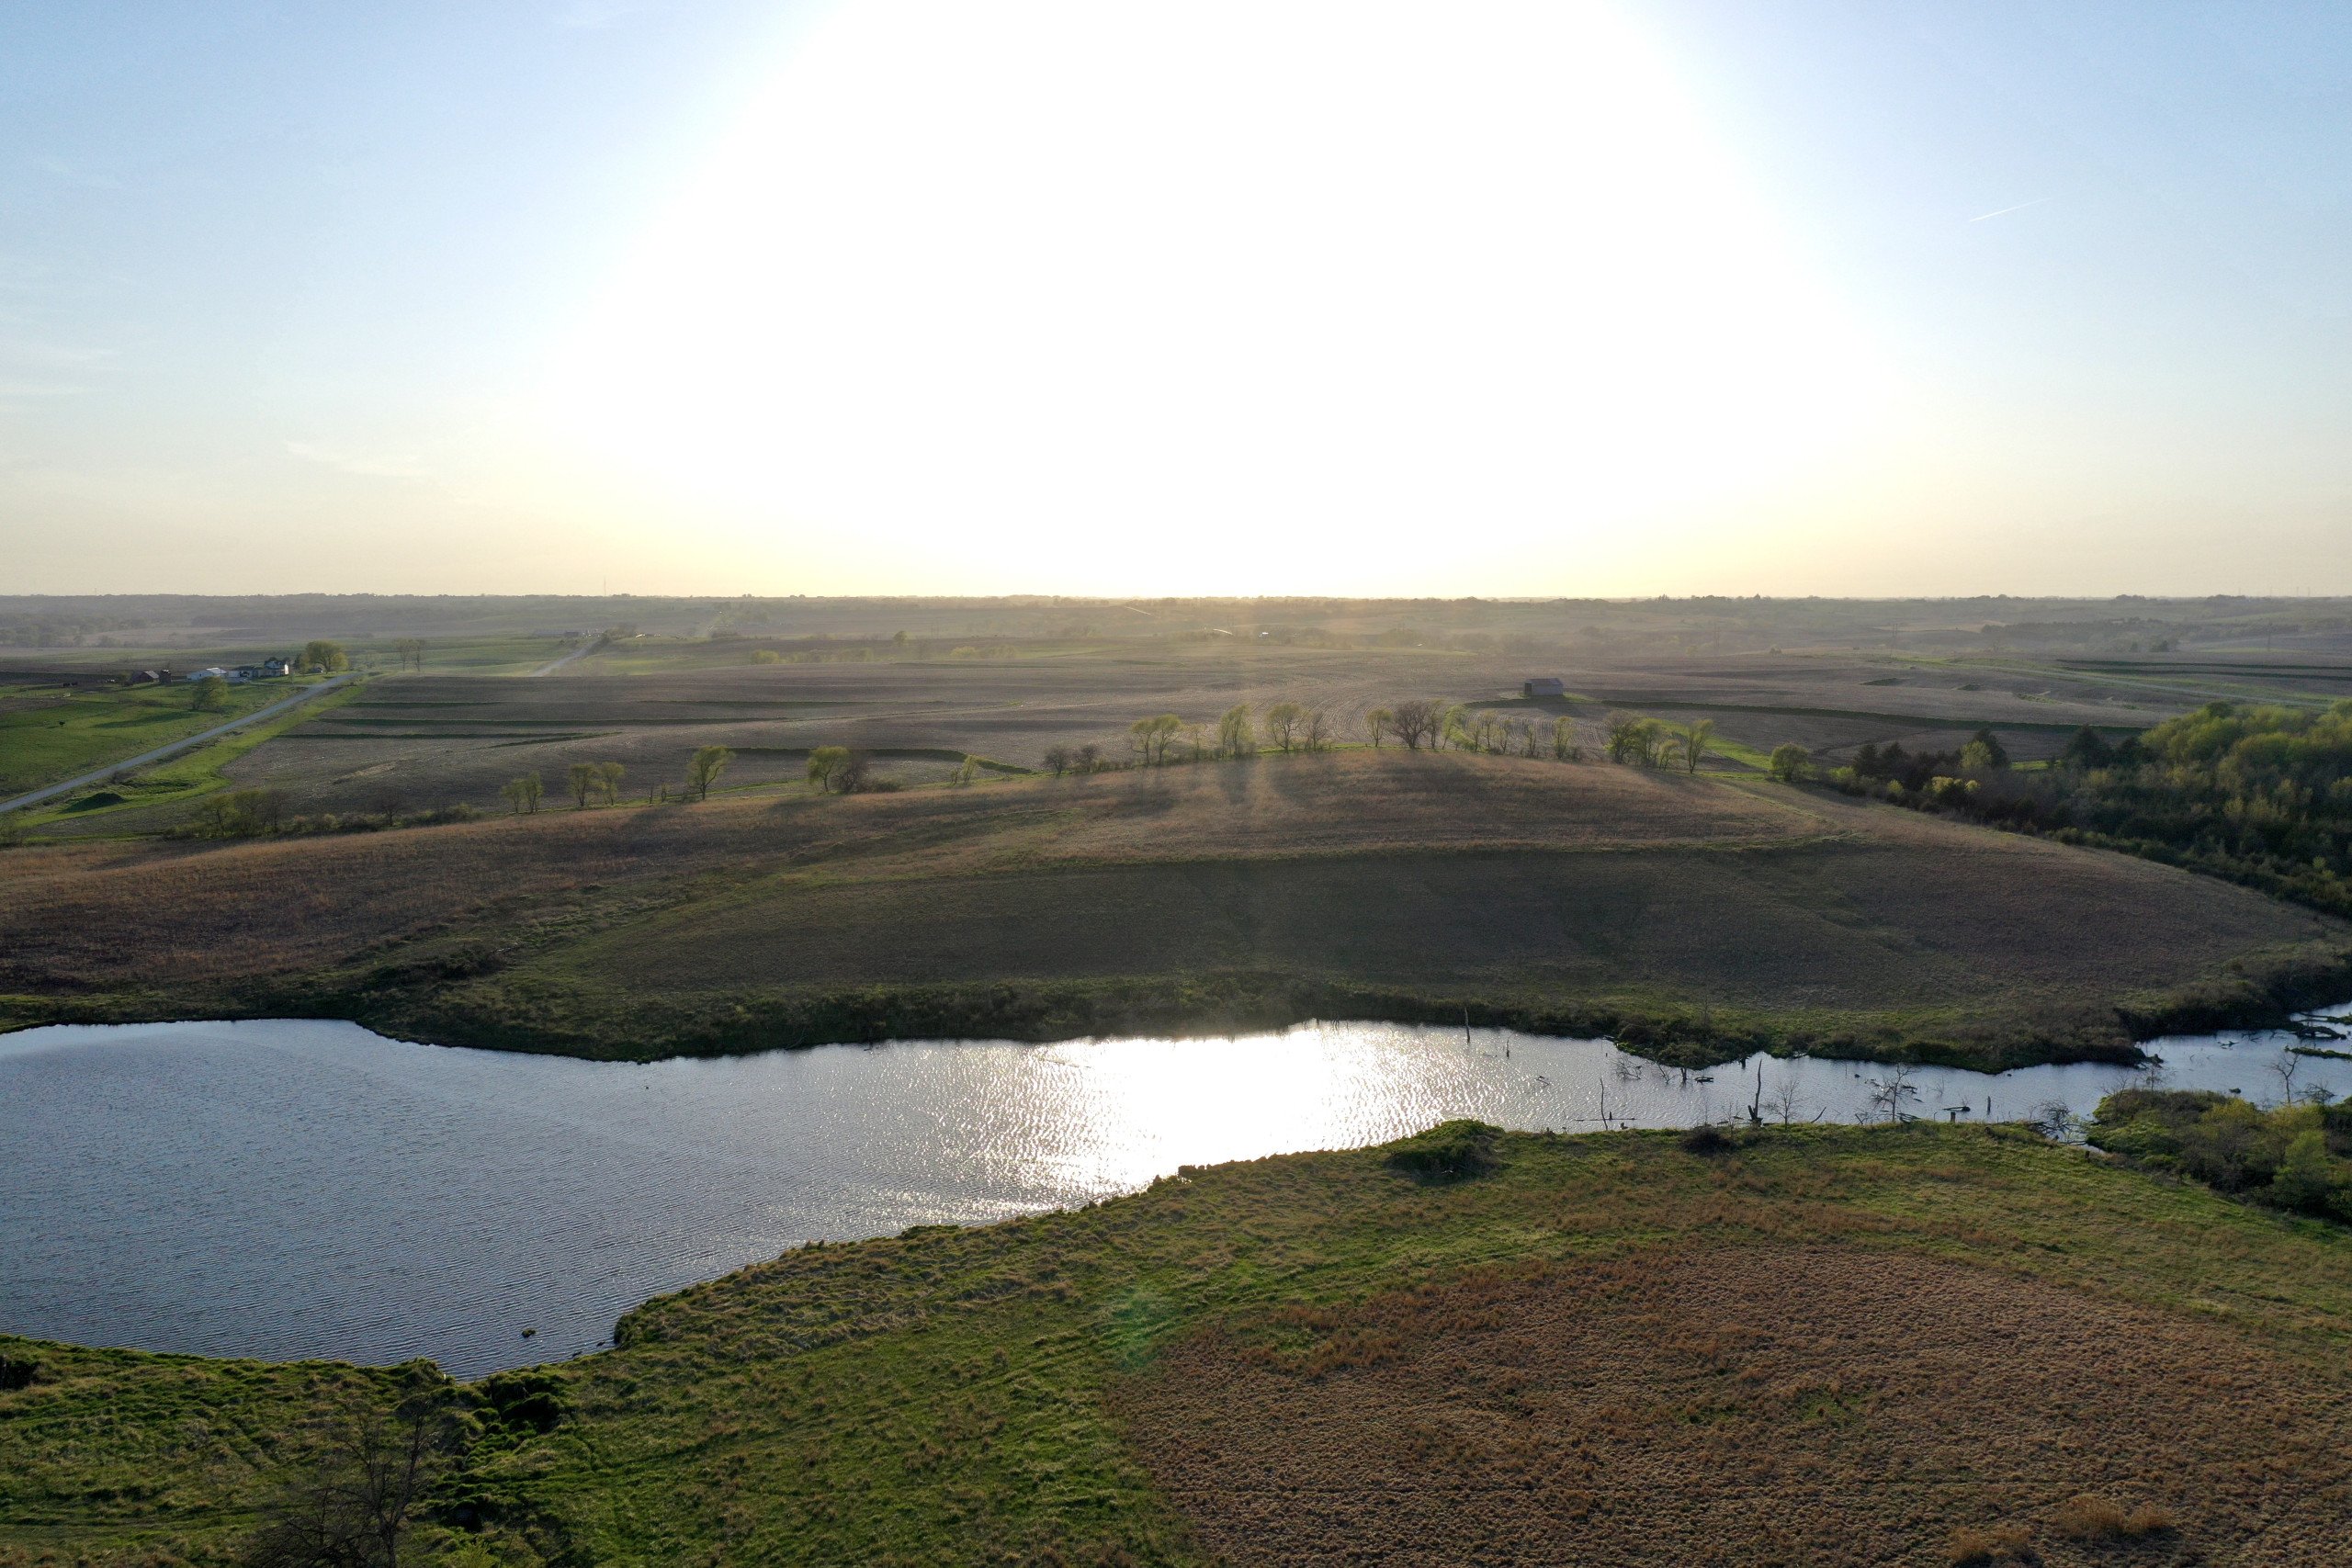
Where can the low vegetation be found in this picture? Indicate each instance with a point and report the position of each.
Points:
(2296, 1156)
(1667, 1358)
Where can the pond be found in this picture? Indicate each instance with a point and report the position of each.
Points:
(306, 1189)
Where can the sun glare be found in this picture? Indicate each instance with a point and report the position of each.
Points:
(1211, 297)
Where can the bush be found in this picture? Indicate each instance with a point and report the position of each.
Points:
(2002, 1543)
(1708, 1140)
(2097, 1519)
(1451, 1151)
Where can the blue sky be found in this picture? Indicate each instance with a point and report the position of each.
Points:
(757, 297)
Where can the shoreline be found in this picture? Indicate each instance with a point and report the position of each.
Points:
(485, 1011)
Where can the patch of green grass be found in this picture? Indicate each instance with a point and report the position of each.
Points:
(178, 781)
(950, 1395)
(48, 734)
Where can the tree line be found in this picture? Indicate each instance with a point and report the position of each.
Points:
(2257, 794)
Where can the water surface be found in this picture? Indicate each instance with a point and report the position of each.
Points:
(299, 1188)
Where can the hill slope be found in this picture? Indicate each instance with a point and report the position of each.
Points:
(1698, 915)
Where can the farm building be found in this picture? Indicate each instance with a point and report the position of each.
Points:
(1543, 686)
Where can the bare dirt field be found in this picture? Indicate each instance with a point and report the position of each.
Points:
(1744, 1405)
(417, 742)
(1582, 896)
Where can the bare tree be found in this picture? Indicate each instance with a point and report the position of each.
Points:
(2284, 1069)
(1416, 724)
(410, 652)
(1889, 1094)
(1057, 758)
(1283, 720)
(356, 1504)
(1086, 759)
(1317, 730)
(1784, 1100)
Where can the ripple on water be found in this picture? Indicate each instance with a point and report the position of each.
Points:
(299, 1188)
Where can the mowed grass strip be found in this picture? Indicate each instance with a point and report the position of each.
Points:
(1821, 1344)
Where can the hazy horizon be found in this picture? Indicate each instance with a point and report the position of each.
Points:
(1517, 301)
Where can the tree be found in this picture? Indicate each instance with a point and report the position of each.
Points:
(242, 813)
(1377, 723)
(2086, 751)
(411, 652)
(211, 695)
(704, 768)
(1057, 758)
(609, 781)
(1318, 728)
(1234, 736)
(1992, 757)
(1086, 759)
(1889, 1093)
(1564, 739)
(1452, 728)
(583, 778)
(355, 1505)
(1791, 762)
(825, 764)
(1785, 1101)
(1152, 736)
(1281, 723)
(1416, 724)
(326, 657)
(523, 794)
(1695, 743)
(2306, 1177)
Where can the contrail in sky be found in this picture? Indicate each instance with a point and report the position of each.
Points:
(2004, 211)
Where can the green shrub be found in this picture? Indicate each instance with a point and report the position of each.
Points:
(1451, 1151)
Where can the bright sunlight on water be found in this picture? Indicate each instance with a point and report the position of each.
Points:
(303, 1188)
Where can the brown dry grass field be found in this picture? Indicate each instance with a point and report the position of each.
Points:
(1667, 907)
(1739, 1405)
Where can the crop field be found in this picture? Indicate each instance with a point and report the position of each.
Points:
(415, 742)
(1914, 1345)
(1703, 912)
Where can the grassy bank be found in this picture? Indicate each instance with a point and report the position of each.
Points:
(1692, 917)
(1814, 1345)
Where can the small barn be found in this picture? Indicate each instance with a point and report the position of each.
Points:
(1543, 686)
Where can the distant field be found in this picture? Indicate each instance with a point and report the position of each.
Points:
(1691, 913)
(1825, 1345)
(472, 720)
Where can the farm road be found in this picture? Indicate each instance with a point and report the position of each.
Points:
(100, 774)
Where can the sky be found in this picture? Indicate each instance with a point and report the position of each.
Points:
(1580, 298)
